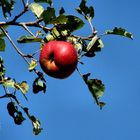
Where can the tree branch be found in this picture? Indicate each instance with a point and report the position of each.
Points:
(30, 24)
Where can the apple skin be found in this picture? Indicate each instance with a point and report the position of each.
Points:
(58, 59)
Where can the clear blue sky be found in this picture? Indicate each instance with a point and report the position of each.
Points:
(67, 111)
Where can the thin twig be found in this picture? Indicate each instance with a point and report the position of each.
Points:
(27, 2)
(36, 52)
(4, 96)
(26, 28)
(30, 24)
(10, 96)
(24, 3)
(15, 47)
(79, 73)
(90, 23)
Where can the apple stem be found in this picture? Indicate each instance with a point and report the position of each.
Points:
(51, 57)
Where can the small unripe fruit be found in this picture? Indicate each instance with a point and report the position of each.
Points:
(58, 59)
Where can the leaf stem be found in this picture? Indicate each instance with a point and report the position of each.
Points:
(79, 73)
(103, 34)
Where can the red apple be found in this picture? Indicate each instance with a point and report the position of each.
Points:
(58, 59)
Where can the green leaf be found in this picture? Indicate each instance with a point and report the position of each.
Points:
(2, 44)
(102, 104)
(32, 65)
(18, 119)
(78, 47)
(95, 45)
(7, 7)
(73, 23)
(28, 39)
(55, 33)
(91, 43)
(2, 68)
(37, 9)
(78, 42)
(67, 24)
(49, 15)
(44, 1)
(96, 88)
(23, 87)
(72, 39)
(9, 83)
(39, 85)
(61, 19)
(86, 76)
(12, 108)
(14, 113)
(120, 31)
(61, 11)
(91, 12)
(83, 7)
(87, 12)
(2, 34)
(36, 125)
(100, 44)
(49, 37)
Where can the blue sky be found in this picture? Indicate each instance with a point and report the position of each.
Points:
(67, 110)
